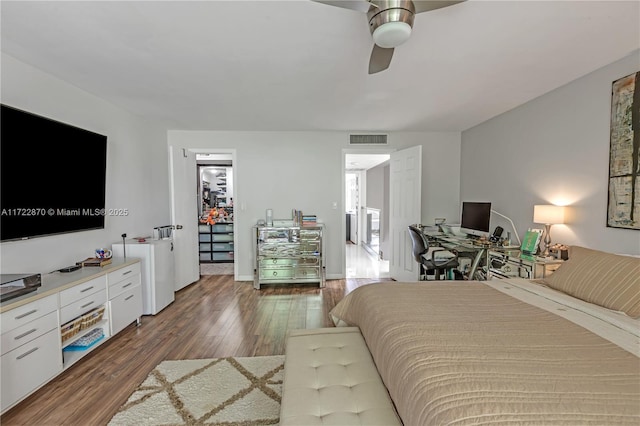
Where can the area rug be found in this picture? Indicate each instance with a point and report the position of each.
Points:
(220, 391)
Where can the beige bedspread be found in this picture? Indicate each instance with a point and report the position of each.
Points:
(464, 353)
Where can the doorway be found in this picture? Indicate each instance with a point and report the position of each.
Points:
(216, 254)
(366, 214)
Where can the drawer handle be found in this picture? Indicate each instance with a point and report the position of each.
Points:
(26, 333)
(26, 314)
(127, 285)
(27, 353)
(127, 298)
(87, 304)
(275, 261)
(275, 273)
(127, 272)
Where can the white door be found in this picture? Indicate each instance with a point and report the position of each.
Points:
(184, 215)
(405, 186)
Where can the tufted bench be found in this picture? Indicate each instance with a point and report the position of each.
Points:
(330, 378)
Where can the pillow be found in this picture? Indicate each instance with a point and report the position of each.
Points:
(605, 279)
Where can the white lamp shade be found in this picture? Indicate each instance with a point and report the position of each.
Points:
(548, 214)
(392, 34)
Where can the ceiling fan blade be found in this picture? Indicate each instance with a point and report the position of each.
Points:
(427, 5)
(359, 5)
(380, 59)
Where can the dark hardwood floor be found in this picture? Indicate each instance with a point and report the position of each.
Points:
(212, 318)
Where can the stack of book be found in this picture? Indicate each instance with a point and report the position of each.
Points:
(309, 220)
(95, 261)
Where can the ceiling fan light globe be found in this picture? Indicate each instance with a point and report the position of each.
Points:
(391, 34)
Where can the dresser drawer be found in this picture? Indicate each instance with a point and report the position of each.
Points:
(83, 290)
(123, 273)
(307, 273)
(222, 237)
(276, 263)
(123, 285)
(220, 227)
(25, 333)
(29, 366)
(125, 308)
(26, 313)
(276, 274)
(222, 246)
(79, 307)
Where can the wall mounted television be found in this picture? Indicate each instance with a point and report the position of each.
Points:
(52, 176)
(476, 217)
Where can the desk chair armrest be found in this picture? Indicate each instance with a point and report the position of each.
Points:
(453, 259)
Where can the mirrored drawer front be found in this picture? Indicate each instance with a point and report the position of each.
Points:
(204, 238)
(279, 249)
(222, 237)
(276, 274)
(274, 235)
(222, 246)
(278, 263)
(309, 261)
(310, 247)
(222, 227)
(308, 234)
(307, 272)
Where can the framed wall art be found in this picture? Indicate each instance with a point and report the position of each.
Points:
(623, 210)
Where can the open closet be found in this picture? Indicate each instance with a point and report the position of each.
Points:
(215, 209)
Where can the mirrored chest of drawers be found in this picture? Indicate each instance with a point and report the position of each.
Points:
(289, 255)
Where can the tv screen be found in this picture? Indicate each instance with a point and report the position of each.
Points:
(475, 218)
(52, 176)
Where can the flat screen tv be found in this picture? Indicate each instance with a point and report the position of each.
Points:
(52, 176)
(475, 218)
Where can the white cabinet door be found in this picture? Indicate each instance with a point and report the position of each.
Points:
(125, 308)
(163, 274)
(24, 369)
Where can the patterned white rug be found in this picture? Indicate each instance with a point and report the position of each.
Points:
(220, 391)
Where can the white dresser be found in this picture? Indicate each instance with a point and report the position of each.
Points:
(39, 328)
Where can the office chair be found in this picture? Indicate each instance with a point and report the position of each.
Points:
(432, 261)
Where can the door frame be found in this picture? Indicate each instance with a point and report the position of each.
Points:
(236, 192)
(343, 202)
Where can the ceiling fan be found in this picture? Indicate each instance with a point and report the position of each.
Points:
(390, 22)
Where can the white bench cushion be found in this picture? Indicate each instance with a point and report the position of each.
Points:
(331, 379)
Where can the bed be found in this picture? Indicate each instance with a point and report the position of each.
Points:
(561, 351)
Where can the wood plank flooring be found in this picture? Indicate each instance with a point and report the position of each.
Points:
(212, 318)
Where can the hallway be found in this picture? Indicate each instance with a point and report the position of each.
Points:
(362, 264)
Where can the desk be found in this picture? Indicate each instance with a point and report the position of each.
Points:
(475, 250)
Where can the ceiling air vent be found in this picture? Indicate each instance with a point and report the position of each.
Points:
(367, 139)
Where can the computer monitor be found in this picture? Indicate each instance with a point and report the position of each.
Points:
(475, 218)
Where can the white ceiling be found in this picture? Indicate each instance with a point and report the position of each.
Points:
(301, 65)
(354, 162)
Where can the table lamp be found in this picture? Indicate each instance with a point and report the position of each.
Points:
(548, 215)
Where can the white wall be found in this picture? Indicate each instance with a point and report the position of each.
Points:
(137, 171)
(304, 170)
(554, 149)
